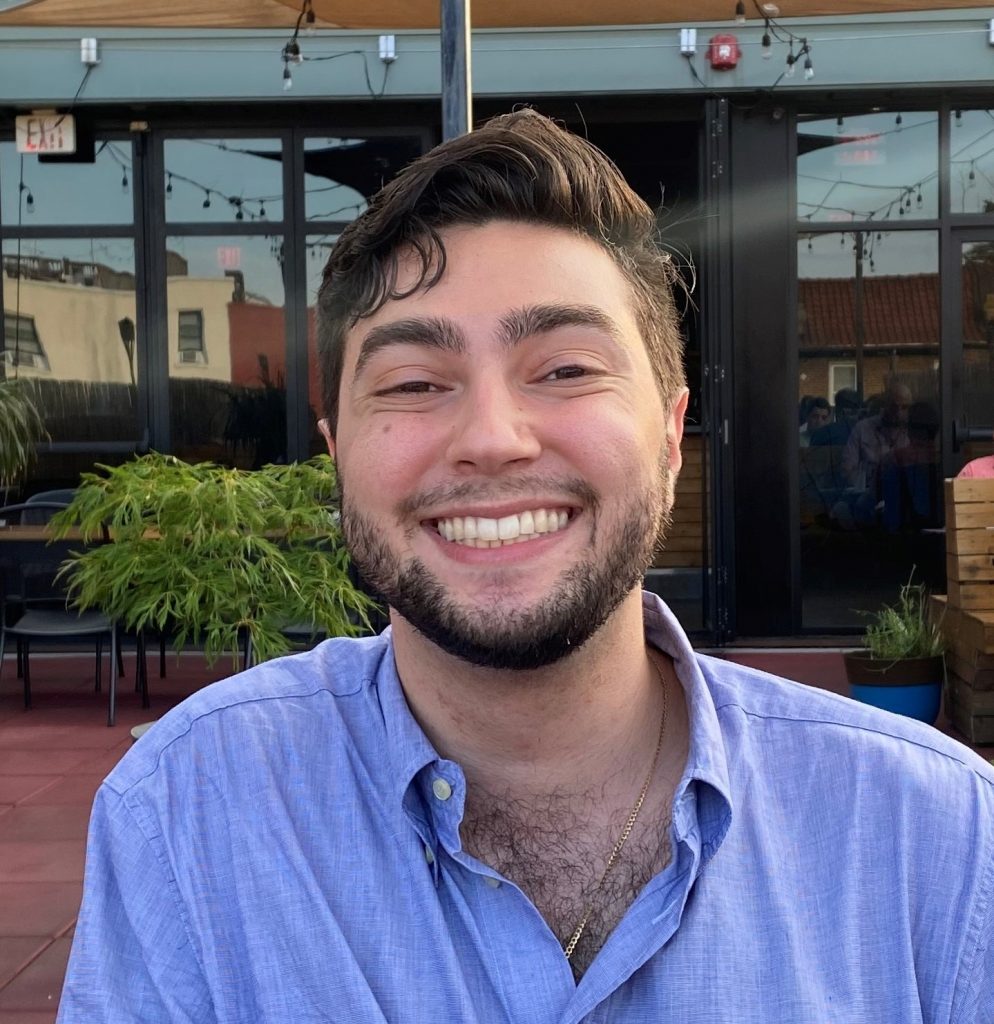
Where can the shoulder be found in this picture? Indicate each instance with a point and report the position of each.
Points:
(769, 718)
(288, 703)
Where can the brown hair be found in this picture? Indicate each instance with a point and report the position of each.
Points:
(517, 167)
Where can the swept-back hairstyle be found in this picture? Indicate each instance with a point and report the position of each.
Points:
(517, 167)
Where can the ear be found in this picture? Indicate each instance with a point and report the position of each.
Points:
(325, 427)
(674, 429)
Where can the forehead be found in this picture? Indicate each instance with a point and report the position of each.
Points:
(501, 266)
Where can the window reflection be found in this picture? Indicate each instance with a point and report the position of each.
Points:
(69, 329)
(977, 412)
(210, 180)
(880, 167)
(972, 161)
(36, 193)
(227, 350)
(341, 174)
(868, 421)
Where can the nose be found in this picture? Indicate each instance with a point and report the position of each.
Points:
(493, 430)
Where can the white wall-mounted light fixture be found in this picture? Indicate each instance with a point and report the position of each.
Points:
(89, 52)
(388, 49)
(688, 41)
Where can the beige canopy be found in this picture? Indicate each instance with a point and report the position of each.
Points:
(414, 14)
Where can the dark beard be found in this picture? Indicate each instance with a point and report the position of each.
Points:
(581, 602)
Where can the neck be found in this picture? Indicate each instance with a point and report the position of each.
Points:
(563, 728)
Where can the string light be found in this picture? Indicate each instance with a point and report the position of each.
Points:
(898, 121)
(124, 181)
(959, 118)
(791, 61)
(29, 199)
(169, 185)
(809, 68)
(287, 78)
(767, 51)
(309, 19)
(740, 12)
(206, 204)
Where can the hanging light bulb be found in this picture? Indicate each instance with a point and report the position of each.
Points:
(169, 185)
(973, 174)
(239, 212)
(262, 211)
(124, 181)
(767, 50)
(309, 18)
(840, 122)
(809, 68)
(29, 202)
(898, 121)
(740, 12)
(918, 198)
(291, 52)
(791, 61)
(811, 248)
(207, 200)
(287, 78)
(959, 119)
(842, 241)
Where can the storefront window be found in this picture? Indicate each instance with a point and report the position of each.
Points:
(868, 420)
(340, 174)
(972, 161)
(867, 167)
(227, 349)
(35, 193)
(211, 180)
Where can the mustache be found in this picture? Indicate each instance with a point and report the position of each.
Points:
(495, 490)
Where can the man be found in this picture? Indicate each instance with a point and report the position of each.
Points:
(875, 437)
(847, 409)
(818, 415)
(528, 800)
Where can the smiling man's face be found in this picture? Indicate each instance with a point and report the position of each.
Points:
(505, 457)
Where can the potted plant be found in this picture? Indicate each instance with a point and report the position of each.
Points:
(226, 558)
(902, 667)
(21, 427)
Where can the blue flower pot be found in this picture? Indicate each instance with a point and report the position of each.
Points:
(910, 686)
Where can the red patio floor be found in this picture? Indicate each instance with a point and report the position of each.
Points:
(52, 759)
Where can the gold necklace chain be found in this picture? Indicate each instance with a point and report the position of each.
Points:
(625, 832)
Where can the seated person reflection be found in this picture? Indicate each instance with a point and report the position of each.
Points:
(528, 799)
(909, 476)
(871, 440)
(818, 414)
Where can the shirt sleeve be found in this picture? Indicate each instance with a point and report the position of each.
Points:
(132, 959)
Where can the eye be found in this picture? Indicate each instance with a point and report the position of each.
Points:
(567, 373)
(410, 387)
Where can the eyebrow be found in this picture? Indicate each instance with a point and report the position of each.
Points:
(513, 328)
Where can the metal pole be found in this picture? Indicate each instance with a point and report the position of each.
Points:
(457, 76)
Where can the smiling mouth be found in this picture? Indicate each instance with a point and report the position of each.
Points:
(481, 532)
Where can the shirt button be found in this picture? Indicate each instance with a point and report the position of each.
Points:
(441, 789)
(494, 883)
(429, 856)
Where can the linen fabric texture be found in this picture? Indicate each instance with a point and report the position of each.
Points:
(273, 850)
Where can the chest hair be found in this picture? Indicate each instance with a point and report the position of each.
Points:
(551, 850)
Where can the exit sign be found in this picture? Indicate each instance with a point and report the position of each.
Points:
(45, 133)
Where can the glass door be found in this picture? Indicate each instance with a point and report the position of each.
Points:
(972, 448)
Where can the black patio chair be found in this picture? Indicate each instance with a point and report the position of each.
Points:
(45, 612)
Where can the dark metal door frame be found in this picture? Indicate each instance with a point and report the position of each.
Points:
(716, 369)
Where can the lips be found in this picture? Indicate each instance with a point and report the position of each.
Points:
(484, 532)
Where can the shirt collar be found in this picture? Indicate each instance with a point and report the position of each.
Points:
(702, 800)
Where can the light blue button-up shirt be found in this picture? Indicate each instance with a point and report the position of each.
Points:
(284, 847)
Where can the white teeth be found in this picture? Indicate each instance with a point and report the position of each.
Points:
(483, 532)
(508, 528)
(487, 529)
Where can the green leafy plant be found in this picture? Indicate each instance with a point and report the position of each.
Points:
(21, 427)
(214, 554)
(904, 630)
